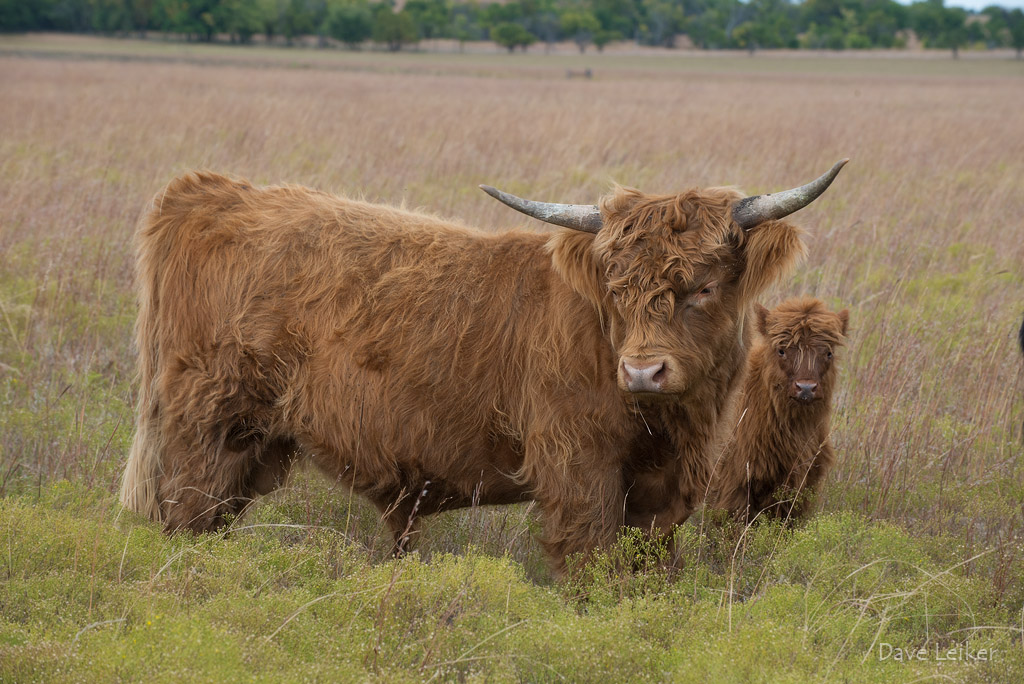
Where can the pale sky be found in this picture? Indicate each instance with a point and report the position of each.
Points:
(980, 4)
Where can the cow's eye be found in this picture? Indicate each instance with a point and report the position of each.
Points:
(704, 293)
(828, 355)
(781, 351)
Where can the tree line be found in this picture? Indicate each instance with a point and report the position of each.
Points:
(708, 24)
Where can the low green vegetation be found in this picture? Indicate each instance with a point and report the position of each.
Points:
(92, 594)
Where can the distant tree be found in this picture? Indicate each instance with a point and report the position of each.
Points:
(881, 21)
(195, 19)
(545, 23)
(511, 36)
(603, 37)
(393, 29)
(298, 19)
(580, 25)
(16, 15)
(994, 29)
(1015, 23)
(430, 17)
(350, 21)
(110, 16)
(661, 23)
(141, 14)
(461, 27)
(271, 13)
(616, 16)
(939, 26)
(709, 23)
(240, 19)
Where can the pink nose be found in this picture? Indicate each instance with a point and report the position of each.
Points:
(643, 376)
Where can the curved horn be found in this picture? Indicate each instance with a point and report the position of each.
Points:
(751, 211)
(585, 217)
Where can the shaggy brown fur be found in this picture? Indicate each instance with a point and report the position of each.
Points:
(781, 449)
(404, 354)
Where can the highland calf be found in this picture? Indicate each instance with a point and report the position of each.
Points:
(430, 366)
(781, 449)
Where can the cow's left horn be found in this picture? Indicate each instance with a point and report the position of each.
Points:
(585, 217)
(752, 211)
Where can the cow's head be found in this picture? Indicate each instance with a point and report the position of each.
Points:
(674, 274)
(801, 337)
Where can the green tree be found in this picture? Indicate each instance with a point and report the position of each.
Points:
(511, 36)
(580, 25)
(350, 21)
(430, 17)
(240, 19)
(393, 29)
(110, 16)
(603, 37)
(939, 26)
(1015, 23)
(297, 20)
(615, 16)
(708, 23)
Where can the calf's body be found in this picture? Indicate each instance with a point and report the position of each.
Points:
(780, 451)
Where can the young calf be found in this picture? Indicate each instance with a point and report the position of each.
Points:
(781, 449)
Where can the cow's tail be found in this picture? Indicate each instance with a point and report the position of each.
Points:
(140, 487)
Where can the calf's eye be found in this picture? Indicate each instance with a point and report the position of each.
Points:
(782, 352)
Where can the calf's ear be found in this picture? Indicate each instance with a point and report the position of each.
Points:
(762, 319)
(844, 318)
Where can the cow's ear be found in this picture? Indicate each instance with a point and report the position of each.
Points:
(844, 318)
(770, 251)
(762, 319)
(572, 254)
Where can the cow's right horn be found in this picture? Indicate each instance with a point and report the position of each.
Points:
(585, 217)
(752, 211)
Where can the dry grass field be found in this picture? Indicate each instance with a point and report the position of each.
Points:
(919, 544)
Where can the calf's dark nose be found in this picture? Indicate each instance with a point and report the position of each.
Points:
(805, 391)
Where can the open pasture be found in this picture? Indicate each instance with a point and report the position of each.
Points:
(920, 541)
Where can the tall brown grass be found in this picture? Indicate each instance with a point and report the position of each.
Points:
(921, 236)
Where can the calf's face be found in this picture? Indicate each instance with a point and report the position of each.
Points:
(801, 340)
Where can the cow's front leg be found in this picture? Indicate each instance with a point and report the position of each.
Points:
(580, 496)
(667, 490)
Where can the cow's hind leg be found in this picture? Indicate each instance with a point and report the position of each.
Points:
(401, 512)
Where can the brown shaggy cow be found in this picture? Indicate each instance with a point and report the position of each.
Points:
(781, 449)
(429, 365)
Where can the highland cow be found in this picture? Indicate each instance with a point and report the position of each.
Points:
(429, 366)
(781, 450)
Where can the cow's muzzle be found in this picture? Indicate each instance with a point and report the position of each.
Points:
(643, 375)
